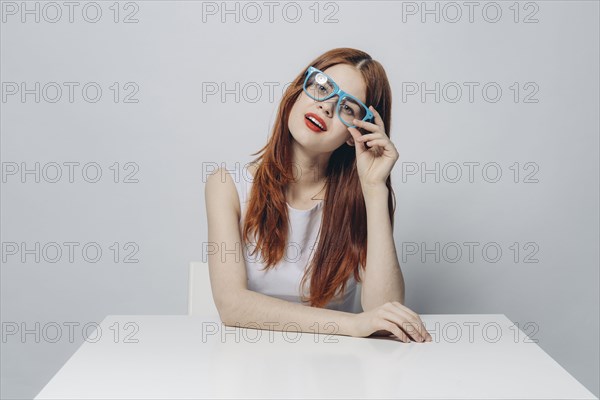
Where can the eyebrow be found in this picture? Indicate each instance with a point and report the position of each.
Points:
(329, 76)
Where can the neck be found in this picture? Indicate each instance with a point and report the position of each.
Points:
(309, 172)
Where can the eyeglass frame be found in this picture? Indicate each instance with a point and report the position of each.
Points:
(369, 116)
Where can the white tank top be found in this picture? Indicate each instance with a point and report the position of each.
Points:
(283, 280)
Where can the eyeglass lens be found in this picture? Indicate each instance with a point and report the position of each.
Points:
(319, 87)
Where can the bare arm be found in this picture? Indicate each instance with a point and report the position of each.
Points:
(382, 281)
(256, 310)
(238, 306)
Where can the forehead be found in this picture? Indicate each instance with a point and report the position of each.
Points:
(349, 79)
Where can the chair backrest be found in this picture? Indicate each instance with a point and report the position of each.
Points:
(200, 298)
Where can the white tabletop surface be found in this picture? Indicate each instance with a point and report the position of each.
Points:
(183, 357)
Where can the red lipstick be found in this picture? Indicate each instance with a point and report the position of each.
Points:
(314, 122)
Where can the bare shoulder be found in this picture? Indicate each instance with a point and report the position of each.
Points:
(220, 190)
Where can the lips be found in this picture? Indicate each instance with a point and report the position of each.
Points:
(313, 121)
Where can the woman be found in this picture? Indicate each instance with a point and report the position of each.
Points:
(322, 182)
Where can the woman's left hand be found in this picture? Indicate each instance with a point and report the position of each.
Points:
(375, 152)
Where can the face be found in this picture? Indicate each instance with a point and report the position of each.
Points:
(350, 80)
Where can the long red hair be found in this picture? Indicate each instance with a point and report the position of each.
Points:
(342, 247)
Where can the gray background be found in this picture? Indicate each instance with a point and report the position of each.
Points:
(174, 137)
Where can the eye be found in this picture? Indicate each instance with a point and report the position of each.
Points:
(319, 88)
(348, 110)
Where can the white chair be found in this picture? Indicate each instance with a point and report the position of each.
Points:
(200, 299)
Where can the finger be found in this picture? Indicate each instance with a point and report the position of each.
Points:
(360, 146)
(397, 332)
(366, 125)
(413, 320)
(385, 143)
(408, 323)
(403, 307)
(376, 142)
(415, 316)
(380, 145)
(389, 325)
(378, 151)
(375, 135)
(378, 119)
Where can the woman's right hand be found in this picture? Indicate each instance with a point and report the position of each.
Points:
(391, 318)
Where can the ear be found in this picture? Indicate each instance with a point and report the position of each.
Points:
(350, 141)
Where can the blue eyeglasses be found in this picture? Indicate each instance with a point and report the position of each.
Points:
(320, 87)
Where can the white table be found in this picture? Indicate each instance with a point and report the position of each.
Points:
(183, 357)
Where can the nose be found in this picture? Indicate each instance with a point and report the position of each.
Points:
(327, 107)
